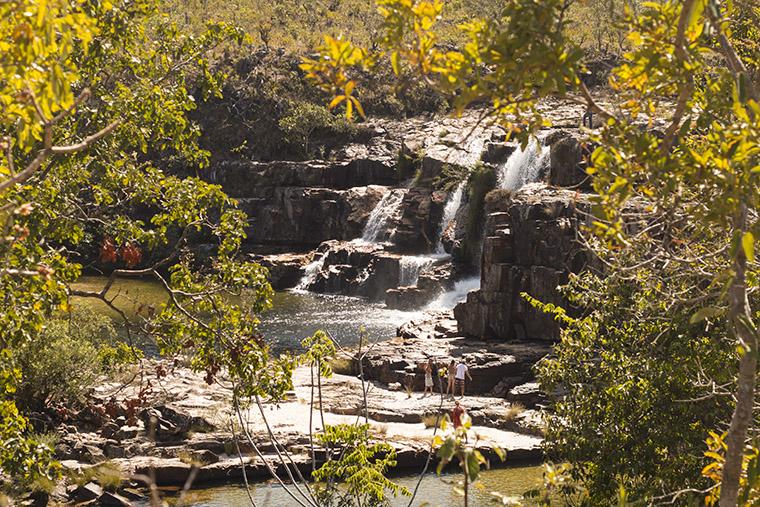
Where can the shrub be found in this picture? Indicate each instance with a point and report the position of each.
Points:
(450, 177)
(64, 363)
(513, 411)
(409, 165)
(307, 127)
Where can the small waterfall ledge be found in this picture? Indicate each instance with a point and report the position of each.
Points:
(376, 229)
(524, 166)
(453, 203)
(411, 267)
(311, 271)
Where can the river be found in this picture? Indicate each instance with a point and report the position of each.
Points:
(434, 491)
(294, 314)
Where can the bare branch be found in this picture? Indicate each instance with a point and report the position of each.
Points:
(87, 141)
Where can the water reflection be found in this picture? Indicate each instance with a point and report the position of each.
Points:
(294, 314)
(434, 491)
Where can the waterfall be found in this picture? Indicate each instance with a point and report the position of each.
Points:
(449, 300)
(523, 166)
(453, 203)
(311, 271)
(410, 268)
(377, 223)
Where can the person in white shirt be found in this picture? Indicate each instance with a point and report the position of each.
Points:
(462, 372)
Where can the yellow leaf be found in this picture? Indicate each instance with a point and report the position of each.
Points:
(748, 244)
(41, 9)
(337, 100)
(395, 63)
(359, 107)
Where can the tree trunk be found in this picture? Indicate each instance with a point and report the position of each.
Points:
(740, 319)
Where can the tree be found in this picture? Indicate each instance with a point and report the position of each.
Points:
(696, 180)
(90, 90)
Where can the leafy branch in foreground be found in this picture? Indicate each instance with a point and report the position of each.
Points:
(357, 475)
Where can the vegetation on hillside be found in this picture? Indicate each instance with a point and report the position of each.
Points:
(88, 89)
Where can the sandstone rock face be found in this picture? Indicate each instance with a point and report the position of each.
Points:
(242, 178)
(566, 166)
(531, 247)
(417, 230)
(285, 270)
(490, 364)
(301, 218)
(356, 269)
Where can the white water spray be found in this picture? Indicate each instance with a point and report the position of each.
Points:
(523, 166)
(453, 203)
(449, 300)
(377, 223)
(411, 267)
(311, 271)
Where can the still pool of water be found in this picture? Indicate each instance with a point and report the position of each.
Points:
(434, 491)
(294, 314)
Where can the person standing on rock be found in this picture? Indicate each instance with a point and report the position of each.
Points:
(428, 369)
(452, 375)
(456, 414)
(462, 372)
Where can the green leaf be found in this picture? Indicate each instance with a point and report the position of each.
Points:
(707, 312)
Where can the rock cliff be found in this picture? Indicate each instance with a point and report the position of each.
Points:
(530, 246)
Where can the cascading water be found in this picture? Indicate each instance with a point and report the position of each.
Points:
(411, 267)
(449, 300)
(449, 213)
(311, 271)
(523, 166)
(376, 228)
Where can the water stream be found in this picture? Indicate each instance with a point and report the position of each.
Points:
(294, 314)
(453, 203)
(311, 271)
(449, 300)
(376, 229)
(412, 266)
(523, 166)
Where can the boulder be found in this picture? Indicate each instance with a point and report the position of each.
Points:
(113, 500)
(285, 270)
(566, 167)
(406, 298)
(86, 493)
(497, 152)
(163, 422)
(356, 269)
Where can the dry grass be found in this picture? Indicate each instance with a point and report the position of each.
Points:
(380, 430)
(430, 420)
(513, 411)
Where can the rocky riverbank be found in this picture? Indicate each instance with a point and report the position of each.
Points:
(171, 426)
